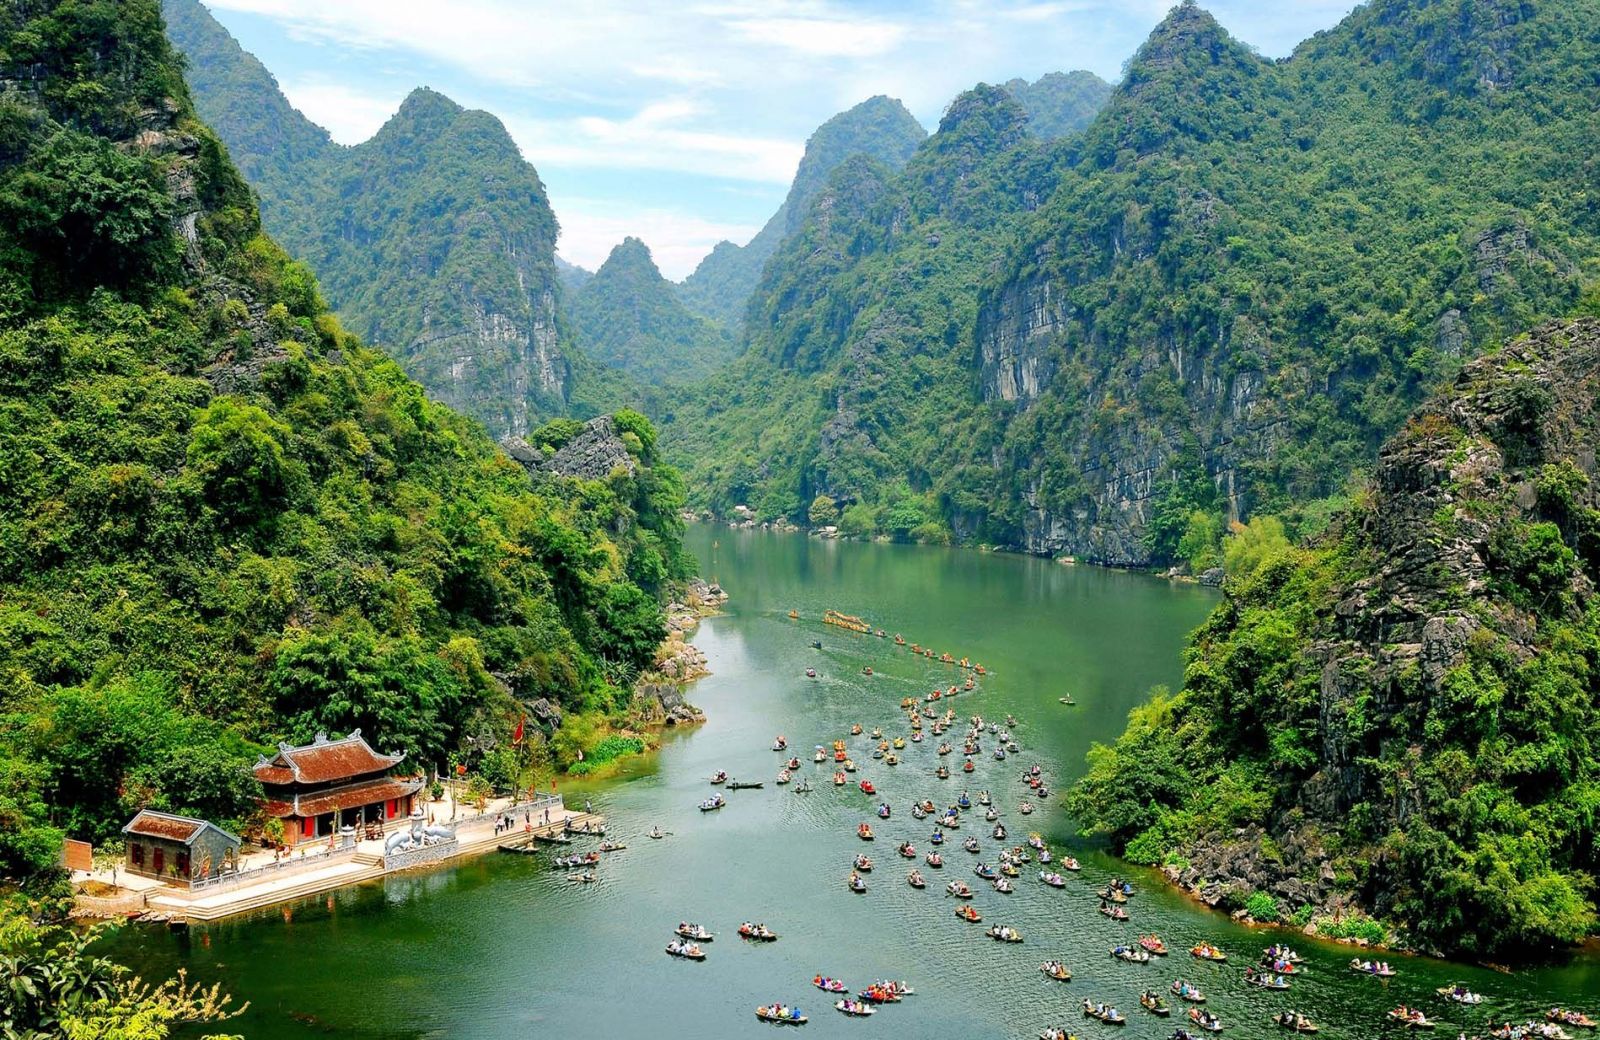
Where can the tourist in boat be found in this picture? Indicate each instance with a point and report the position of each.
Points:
(1185, 991)
(916, 880)
(935, 860)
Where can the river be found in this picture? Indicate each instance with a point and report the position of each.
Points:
(504, 947)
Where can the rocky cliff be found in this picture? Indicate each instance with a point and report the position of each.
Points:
(434, 239)
(1398, 718)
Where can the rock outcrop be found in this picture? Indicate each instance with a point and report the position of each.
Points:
(596, 452)
(1409, 692)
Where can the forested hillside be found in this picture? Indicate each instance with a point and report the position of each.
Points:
(434, 239)
(1213, 303)
(879, 127)
(1060, 103)
(1400, 717)
(224, 521)
(629, 317)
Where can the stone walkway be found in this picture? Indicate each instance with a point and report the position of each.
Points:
(473, 837)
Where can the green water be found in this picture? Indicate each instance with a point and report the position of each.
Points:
(504, 947)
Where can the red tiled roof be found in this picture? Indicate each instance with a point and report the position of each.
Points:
(152, 824)
(348, 797)
(160, 825)
(324, 761)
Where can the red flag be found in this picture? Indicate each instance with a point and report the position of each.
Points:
(516, 738)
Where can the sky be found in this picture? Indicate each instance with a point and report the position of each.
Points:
(681, 123)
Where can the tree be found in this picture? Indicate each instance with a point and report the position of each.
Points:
(1250, 545)
(824, 512)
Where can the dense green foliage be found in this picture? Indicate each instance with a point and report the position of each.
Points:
(1412, 696)
(1060, 103)
(629, 317)
(879, 127)
(1243, 270)
(223, 520)
(434, 240)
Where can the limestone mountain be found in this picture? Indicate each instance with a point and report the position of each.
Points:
(1399, 717)
(1060, 103)
(1218, 299)
(629, 317)
(434, 239)
(879, 127)
(225, 521)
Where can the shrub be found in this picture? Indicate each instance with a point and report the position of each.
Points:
(1262, 907)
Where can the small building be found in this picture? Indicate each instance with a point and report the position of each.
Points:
(319, 787)
(178, 848)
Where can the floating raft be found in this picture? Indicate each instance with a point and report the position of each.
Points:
(849, 621)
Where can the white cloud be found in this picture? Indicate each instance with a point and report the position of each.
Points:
(350, 114)
(823, 37)
(656, 138)
(591, 228)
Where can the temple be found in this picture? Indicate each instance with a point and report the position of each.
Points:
(319, 787)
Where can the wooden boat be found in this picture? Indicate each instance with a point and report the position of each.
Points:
(611, 846)
(686, 950)
(1266, 980)
(1004, 933)
(780, 743)
(1002, 886)
(1207, 952)
(864, 864)
(958, 889)
(783, 1016)
(743, 785)
(1116, 913)
(1104, 1013)
(855, 729)
(1130, 954)
(867, 787)
(1205, 1020)
(757, 933)
(794, 614)
(828, 985)
(1153, 944)
(839, 780)
(1295, 1021)
(1360, 967)
(1053, 880)
(855, 1007)
(1070, 863)
(583, 879)
(716, 801)
(916, 880)
(908, 850)
(968, 912)
(811, 673)
(1112, 894)
(876, 994)
(1183, 991)
(1411, 1018)
(935, 860)
(719, 777)
(864, 832)
(695, 932)
(891, 759)
(985, 871)
(1570, 1018)
(1154, 1004)
(1460, 994)
(855, 884)
(1055, 970)
(783, 776)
